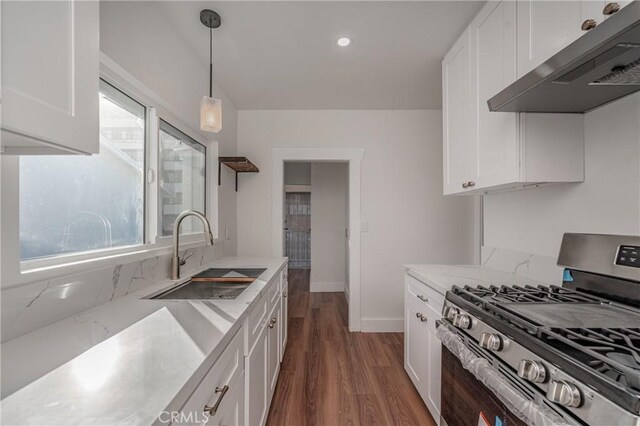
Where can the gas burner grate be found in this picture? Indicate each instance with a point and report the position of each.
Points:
(612, 352)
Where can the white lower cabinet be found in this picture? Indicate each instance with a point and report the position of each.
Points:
(217, 395)
(264, 352)
(239, 387)
(257, 382)
(422, 348)
(274, 349)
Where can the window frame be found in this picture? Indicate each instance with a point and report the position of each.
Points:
(206, 177)
(17, 272)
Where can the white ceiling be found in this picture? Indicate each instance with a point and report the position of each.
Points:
(283, 55)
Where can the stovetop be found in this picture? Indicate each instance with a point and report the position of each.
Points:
(594, 339)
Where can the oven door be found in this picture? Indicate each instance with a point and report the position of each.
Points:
(478, 390)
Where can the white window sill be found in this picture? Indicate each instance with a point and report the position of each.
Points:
(47, 269)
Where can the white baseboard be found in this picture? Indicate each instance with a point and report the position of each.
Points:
(326, 287)
(382, 325)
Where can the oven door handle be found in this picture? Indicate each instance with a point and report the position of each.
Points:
(528, 411)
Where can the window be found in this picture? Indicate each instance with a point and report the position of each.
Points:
(182, 171)
(71, 204)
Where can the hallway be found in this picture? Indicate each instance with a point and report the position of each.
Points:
(332, 377)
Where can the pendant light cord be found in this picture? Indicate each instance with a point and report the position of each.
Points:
(210, 62)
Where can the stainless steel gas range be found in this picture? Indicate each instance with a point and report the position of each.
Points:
(566, 355)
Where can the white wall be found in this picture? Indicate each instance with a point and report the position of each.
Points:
(409, 219)
(328, 223)
(296, 173)
(608, 201)
(140, 39)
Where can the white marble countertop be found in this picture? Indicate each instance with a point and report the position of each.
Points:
(442, 277)
(154, 355)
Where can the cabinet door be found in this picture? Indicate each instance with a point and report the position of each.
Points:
(416, 352)
(284, 323)
(50, 76)
(231, 411)
(459, 150)
(493, 41)
(256, 406)
(545, 28)
(434, 366)
(274, 348)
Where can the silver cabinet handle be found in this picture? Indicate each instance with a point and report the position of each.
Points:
(272, 323)
(214, 409)
(418, 314)
(421, 317)
(588, 25)
(471, 184)
(285, 294)
(465, 184)
(424, 299)
(610, 9)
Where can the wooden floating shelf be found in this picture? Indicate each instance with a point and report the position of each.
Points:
(238, 165)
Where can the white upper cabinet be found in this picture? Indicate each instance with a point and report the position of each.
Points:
(493, 36)
(50, 77)
(458, 118)
(546, 27)
(488, 151)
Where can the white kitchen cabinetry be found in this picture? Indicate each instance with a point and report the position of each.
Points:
(488, 151)
(284, 295)
(264, 336)
(422, 350)
(222, 388)
(50, 77)
(459, 149)
(546, 27)
(274, 346)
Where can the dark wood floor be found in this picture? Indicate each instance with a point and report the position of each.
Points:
(332, 377)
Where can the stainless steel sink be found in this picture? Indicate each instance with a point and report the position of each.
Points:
(216, 283)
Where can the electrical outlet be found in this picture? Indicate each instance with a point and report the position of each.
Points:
(364, 226)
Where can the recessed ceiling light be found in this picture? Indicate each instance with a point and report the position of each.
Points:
(344, 41)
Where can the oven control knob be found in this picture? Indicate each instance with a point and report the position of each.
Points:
(564, 393)
(491, 341)
(450, 312)
(462, 321)
(532, 371)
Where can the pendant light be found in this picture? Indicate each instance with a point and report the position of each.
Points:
(210, 107)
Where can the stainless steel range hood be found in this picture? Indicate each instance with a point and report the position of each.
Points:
(601, 66)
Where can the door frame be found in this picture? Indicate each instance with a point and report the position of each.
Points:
(352, 156)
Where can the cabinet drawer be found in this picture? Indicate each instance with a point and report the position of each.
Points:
(420, 291)
(254, 324)
(273, 293)
(226, 371)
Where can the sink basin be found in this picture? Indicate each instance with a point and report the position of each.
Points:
(216, 283)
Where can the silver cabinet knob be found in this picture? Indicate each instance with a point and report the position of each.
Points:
(564, 393)
(491, 341)
(532, 371)
(465, 184)
(610, 8)
(471, 184)
(462, 321)
(450, 312)
(424, 299)
(588, 25)
(285, 294)
(421, 317)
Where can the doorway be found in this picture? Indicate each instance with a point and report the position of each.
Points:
(351, 159)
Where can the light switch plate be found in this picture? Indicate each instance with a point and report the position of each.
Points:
(364, 226)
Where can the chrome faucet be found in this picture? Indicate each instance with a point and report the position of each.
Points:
(176, 262)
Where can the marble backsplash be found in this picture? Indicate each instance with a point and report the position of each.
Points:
(31, 306)
(535, 267)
